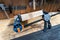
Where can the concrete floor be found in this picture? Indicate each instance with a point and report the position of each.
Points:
(52, 34)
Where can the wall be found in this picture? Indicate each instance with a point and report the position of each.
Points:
(46, 6)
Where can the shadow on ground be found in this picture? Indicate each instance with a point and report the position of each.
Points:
(51, 34)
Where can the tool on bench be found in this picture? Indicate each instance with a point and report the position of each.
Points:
(19, 18)
(17, 23)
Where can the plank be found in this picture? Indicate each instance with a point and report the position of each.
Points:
(30, 15)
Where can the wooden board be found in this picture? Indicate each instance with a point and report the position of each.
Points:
(30, 15)
(35, 14)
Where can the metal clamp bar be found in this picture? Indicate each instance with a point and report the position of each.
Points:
(38, 20)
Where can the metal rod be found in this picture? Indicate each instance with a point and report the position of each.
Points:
(38, 20)
(6, 14)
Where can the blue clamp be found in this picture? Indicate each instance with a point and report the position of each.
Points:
(17, 23)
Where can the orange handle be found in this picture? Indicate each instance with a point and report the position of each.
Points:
(18, 29)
